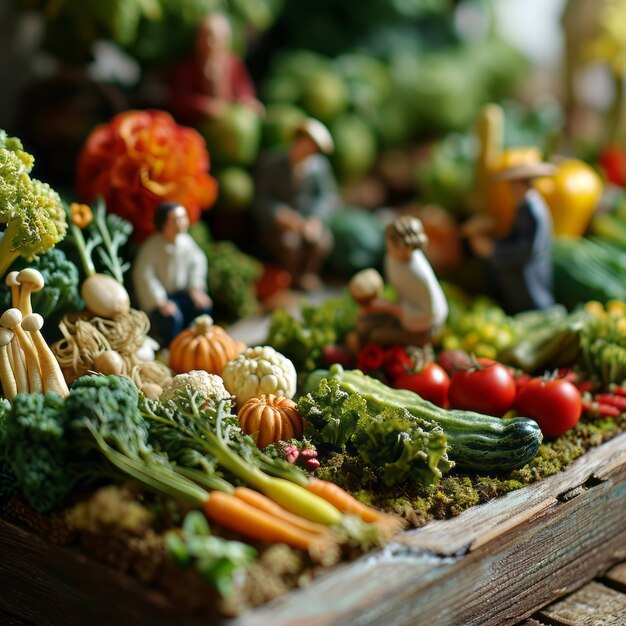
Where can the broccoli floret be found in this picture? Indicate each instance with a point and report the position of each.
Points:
(8, 481)
(37, 449)
(109, 403)
(60, 294)
(31, 210)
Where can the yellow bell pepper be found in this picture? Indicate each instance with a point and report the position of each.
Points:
(572, 195)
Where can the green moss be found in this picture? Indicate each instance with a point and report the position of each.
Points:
(457, 491)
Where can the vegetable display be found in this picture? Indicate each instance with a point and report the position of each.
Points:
(203, 346)
(476, 441)
(30, 211)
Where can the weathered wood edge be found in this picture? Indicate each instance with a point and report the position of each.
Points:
(495, 564)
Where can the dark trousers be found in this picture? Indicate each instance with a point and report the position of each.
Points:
(166, 327)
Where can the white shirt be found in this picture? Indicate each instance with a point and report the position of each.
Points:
(420, 297)
(163, 268)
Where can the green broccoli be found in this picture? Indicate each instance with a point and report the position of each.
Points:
(37, 449)
(8, 481)
(60, 294)
(31, 210)
(50, 443)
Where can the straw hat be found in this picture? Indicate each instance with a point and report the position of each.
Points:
(318, 133)
(526, 171)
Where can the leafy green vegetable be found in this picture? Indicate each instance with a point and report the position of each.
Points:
(215, 558)
(331, 413)
(396, 446)
(60, 294)
(37, 449)
(31, 211)
(303, 340)
(231, 275)
(406, 449)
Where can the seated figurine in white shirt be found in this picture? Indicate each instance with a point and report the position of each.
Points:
(421, 308)
(170, 274)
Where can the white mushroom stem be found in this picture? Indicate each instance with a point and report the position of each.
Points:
(52, 376)
(11, 281)
(30, 280)
(12, 319)
(7, 378)
(18, 361)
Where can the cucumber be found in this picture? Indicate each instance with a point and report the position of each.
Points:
(476, 442)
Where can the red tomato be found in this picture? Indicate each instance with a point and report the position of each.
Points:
(431, 383)
(555, 405)
(336, 354)
(489, 389)
(453, 360)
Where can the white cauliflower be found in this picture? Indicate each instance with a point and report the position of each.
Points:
(259, 371)
(204, 384)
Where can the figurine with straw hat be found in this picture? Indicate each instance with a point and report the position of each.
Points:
(518, 265)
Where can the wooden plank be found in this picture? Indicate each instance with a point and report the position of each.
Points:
(496, 564)
(616, 577)
(448, 573)
(593, 605)
(49, 585)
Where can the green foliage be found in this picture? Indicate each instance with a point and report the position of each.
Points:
(231, 275)
(406, 449)
(60, 294)
(31, 211)
(331, 414)
(303, 340)
(395, 446)
(37, 449)
(8, 481)
(215, 558)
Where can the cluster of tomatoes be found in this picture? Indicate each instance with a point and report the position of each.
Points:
(458, 381)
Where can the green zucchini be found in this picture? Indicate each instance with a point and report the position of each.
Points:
(476, 442)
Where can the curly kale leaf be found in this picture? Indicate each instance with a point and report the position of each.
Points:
(331, 414)
(37, 449)
(405, 448)
(110, 405)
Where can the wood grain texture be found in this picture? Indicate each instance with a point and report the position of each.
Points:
(593, 605)
(497, 563)
(616, 576)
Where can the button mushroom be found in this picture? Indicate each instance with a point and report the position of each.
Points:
(52, 376)
(7, 377)
(12, 282)
(12, 319)
(30, 280)
(17, 355)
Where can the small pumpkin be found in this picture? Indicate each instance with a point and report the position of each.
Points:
(270, 418)
(203, 346)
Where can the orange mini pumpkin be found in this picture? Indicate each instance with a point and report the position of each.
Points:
(203, 346)
(270, 418)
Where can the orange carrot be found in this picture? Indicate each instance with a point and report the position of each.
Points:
(346, 503)
(235, 514)
(263, 503)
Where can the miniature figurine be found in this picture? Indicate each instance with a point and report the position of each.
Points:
(170, 274)
(518, 265)
(421, 308)
(296, 194)
(204, 86)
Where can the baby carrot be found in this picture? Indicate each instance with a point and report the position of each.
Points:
(238, 515)
(263, 503)
(346, 503)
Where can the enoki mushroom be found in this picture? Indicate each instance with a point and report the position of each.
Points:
(86, 337)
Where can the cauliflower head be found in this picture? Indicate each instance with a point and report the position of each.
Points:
(204, 384)
(259, 371)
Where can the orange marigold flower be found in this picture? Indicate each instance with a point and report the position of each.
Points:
(142, 158)
(80, 214)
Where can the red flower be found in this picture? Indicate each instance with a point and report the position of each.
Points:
(370, 358)
(142, 158)
(397, 362)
